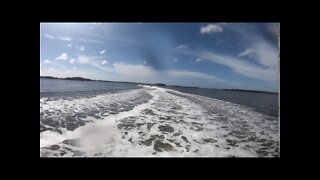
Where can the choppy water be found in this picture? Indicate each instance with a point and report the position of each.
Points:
(153, 121)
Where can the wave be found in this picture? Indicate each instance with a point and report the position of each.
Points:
(154, 121)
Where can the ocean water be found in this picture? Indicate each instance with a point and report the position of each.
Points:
(151, 121)
(267, 103)
(67, 88)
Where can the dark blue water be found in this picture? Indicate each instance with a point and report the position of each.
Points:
(265, 103)
(60, 87)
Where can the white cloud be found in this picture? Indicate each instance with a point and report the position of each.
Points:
(211, 28)
(183, 46)
(265, 57)
(84, 59)
(62, 38)
(94, 62)
(69, 45)
(91, 41)
(133, 69)
(47, 61)
(191, 74)
(198, 59)
(128, 72)
(81, 48)
(72, 61)
(175, 59)
(247, 53)
(49, 36)
(103, 51)
(140, 72)
(63, 56)
(62, 73)
(264, 53)
(65, 38)
(75, 72)
(103, 62)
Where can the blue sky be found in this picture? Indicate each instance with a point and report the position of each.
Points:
(213, 55)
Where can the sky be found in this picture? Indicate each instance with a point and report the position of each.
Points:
(210, 55)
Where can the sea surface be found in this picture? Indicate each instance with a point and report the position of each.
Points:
(106, 119)
(65, 88)
(267, 103)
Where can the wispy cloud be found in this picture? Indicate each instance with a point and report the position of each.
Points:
(191, 74)
(134, 69)
(49, 36)
(94, 61)
(47, 61)
(211, 28)
(81, 48)
(246, 53)
(236, 50)
(127, 72)
(267, 57)
(103, 62)
(138, 71)
(91, 41)
(183, 46)
(77, 72)
(266, 54)
(103, 51)
(62, 73)
(62, 38)
(65, 38)
(72, 61)
(198, 59)
(63, 56)
(84, 59)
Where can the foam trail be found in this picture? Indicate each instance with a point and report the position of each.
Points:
(161, 123)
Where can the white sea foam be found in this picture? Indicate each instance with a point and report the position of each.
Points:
(170, 123)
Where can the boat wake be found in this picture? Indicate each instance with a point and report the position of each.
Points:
(154, 121)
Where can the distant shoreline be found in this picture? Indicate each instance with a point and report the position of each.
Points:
(156, 84)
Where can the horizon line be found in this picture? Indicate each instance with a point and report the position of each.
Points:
(252, 90)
